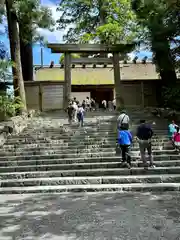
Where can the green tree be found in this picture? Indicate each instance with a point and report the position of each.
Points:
(2, 7)
(18, 82)
(31, 15)
(160, 18)
(98, 21)
(73, 55)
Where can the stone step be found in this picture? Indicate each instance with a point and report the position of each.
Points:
(75, 149)
(67, 130)
(64, 131)
(14, 139)
(68, 138)
(88, 154)
(25, 152)
(82, 131)
(15, 167)
(94, 149)
(139, 187)
(87, 140)
(45, 161)
(46, 171)
(73, 145)
(59, 127)
(110, 126)
(56, 132)
(61, 181)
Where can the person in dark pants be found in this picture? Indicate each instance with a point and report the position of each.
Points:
(80, 115)
(124, 141)
(144, 135)
(70, 111)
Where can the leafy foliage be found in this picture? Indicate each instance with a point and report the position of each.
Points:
(171, 97)
(2, 10)
(3, 51)
(9, 105)
(73, 55)
(32, 15)
(95, 20)
(160, 20)
(5, 64)
(5, 73)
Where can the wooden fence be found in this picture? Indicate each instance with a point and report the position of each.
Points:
(49, 95)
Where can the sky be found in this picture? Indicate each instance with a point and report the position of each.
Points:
(54, 37)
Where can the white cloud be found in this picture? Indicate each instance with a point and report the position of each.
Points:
(131, 55)
(57, 35)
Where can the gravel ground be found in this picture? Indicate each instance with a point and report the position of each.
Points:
(121, 216)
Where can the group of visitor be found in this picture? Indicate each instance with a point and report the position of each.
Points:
(144, 135)
(75, 112)
(89, 104)
(174, 135)
(110, 105)
(76, 109)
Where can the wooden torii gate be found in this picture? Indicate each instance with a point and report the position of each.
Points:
(68, 49)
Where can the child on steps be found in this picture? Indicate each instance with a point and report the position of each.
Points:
(176, 139)
(124, 140)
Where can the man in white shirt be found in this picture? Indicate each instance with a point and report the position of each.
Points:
(75, 111)
(88, 103)
(123, 120)
(104, 103)
(114, 104)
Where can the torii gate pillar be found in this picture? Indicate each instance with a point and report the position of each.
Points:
(67, 78)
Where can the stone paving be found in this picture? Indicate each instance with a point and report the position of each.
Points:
(121, 216)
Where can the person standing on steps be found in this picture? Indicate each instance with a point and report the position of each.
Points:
(104, 104)
(114, 104)
(176, 139)
(124, 141)
(123, 120)
(144, 135)
(84, 104)
(75, 111)
(88, 104)
(171, 129)
(80, 115)
(70, 111)
(93, 104)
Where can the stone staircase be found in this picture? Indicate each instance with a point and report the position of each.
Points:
(47, 157)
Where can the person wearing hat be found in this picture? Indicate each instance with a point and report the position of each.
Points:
(123, 120)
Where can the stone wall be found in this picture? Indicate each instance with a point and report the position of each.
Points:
(15, 125)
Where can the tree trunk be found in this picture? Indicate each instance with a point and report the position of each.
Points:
(166, 69)
(103, 20)
(15, 54)
(164, 60)
(26, 57)
(67, 78)
(117, 82)
(26, 60)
